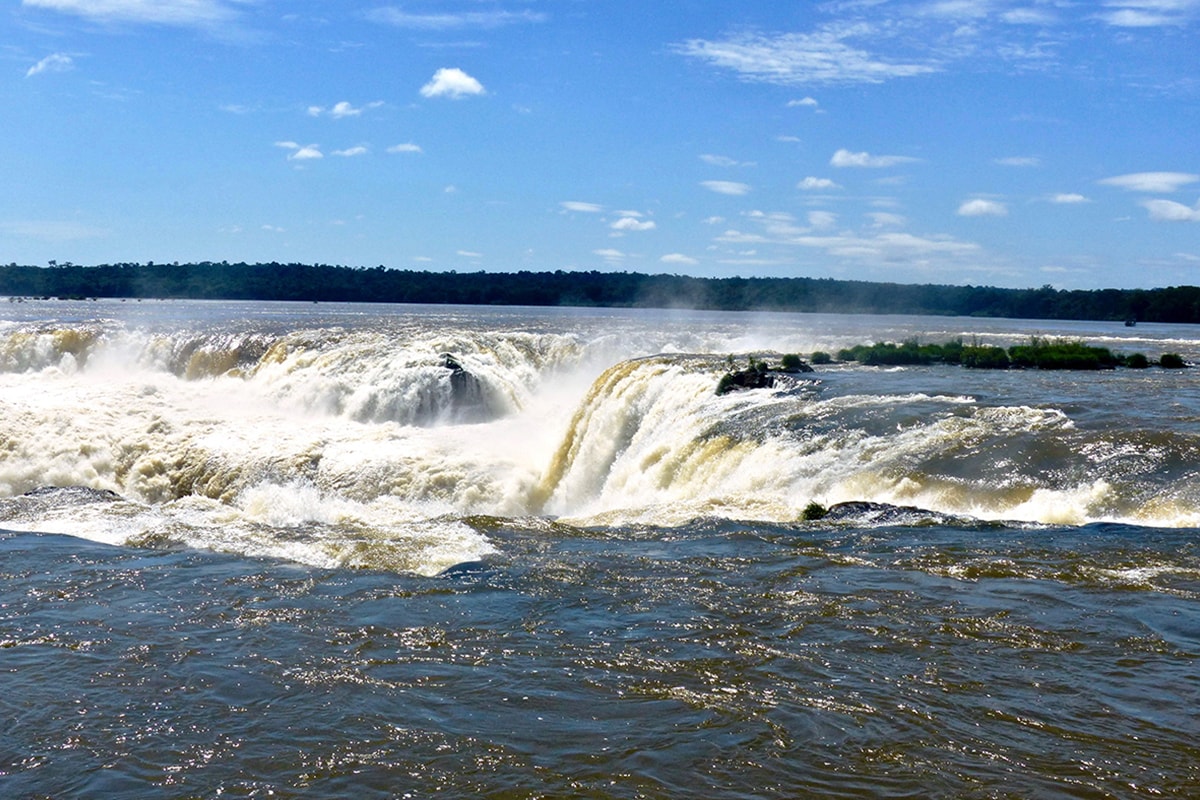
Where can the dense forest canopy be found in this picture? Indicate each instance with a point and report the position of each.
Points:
(321, 282)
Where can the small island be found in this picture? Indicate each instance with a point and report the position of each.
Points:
(1039, 353)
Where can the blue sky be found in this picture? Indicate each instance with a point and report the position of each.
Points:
(990, 142)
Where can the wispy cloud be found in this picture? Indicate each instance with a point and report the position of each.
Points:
(581, 207)
(342, 110)
(727, 187)
(1068, 198)
(822, 220)
(805, 102)
(982, 208)
(875, 248)
(452, 82)
(1029, 16)
(799, 59)
(350, 152)
(1149, 13)
(407, 147)
(159, 12)
(633, 224)
(453, 21)
(1019, 161)
(885, 219)
(1152, 182)
(55, 62)
(679, 259)
(724, 161)
(299, 152)
(811, 184)
(1170, 211)
(845, 158)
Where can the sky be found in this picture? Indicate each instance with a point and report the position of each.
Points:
(1013, 143)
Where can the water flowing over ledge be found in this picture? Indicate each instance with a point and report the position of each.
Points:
(332, 437)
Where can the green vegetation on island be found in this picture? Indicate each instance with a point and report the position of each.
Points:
(335, 283)
(1038, 353)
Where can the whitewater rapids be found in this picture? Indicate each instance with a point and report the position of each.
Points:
(380, 436)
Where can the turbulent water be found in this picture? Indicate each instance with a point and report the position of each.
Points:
(288, 550)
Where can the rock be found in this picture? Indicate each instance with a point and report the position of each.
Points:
(862, 512)
(72, 495)
(467, 402)
(745, 379)
(759, 376)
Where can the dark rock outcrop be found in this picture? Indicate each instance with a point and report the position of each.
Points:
(862, 512)
(759, 376)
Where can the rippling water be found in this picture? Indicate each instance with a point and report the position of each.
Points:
(299, 565)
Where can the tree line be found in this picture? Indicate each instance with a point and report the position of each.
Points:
(329, 283)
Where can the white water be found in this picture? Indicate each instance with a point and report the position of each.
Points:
(342, 440)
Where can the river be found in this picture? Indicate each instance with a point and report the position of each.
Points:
(320, 550)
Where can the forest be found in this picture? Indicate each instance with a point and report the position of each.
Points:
(330, 283)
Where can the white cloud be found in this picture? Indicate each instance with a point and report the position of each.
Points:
(845, 158)
(727, 187)
(679, 258)
(806, 102)
(633, 224)
(1019, 161)
(1152, 182)
(407, 147)
(799, 59)
(468, 254)
(1170, 211)
(609, 254)
(1148, 13)
(1068, 198)
(811, 184)
(581, 207)
(878, 247)
(958, 9)
(713, 220)
(724, 161)
(1029, 16)
(451, 21)
(821, 220)
(300, 152)
(342, 110)
(358, 150)
(884, 219)
(452, 82)
(160, 12)
(55, 62)
(982, 208)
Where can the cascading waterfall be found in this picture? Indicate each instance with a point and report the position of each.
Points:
(244, 436)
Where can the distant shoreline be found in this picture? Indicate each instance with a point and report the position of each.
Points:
(325, 283)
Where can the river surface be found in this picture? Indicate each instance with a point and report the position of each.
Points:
(318, 550)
